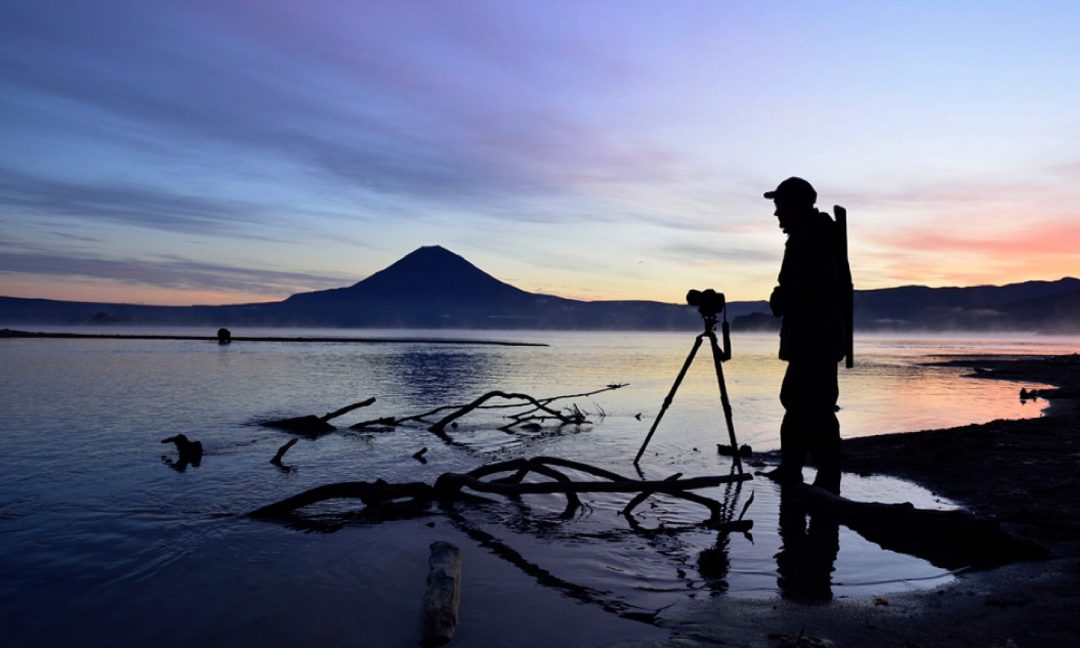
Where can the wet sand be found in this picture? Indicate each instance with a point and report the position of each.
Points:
(1023, 473)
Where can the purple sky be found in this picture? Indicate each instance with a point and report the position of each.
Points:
(238, 151)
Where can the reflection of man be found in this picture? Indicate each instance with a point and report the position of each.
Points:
(809, 297)
(807, 556)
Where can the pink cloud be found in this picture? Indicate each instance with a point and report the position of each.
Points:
(1037, 249)
(1033, 238)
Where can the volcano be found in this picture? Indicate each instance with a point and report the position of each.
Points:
(432, 287)
(431, 274)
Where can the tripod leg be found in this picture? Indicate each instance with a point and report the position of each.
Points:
(718, 357)
(670, 396)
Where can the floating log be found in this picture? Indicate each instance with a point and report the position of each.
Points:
(443, 594)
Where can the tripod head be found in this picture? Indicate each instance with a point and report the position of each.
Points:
(710, 305)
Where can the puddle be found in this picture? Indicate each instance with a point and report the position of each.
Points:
(788, 553)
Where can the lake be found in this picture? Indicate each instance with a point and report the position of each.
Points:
(101, 542)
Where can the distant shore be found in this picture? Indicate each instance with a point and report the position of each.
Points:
(1024, 473)
(9, 333)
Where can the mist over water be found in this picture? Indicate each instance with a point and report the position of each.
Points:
(99, 538)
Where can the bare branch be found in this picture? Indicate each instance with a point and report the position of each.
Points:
(345, 410)
(440, 427)
(573, 415)
(282, 450)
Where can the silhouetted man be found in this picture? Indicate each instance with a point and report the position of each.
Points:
(809, 298)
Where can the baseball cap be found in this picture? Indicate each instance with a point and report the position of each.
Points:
(794, 190)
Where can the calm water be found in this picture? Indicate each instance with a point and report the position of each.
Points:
(101, 542)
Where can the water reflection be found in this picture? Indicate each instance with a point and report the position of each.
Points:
(809, 545)
(713, 564)
(435, 375)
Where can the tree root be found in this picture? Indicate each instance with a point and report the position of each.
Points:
(449, 487)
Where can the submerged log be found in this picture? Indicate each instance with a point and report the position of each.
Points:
(311, 425)
(947, 539)
(443, 594)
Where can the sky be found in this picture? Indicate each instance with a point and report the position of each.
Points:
(228, 152)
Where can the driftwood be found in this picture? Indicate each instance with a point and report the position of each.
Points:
(449, 487)
(345, 410)
(311, 425)
(573, 418)
(372, 494)
(443, 594)
(281, 452)
(537, 409)
(387, 501)
(188, 452)
(947, 539)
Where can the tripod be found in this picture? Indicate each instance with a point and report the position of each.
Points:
(719, 356)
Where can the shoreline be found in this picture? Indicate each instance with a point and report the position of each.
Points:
(10, 334)
(1023, 473)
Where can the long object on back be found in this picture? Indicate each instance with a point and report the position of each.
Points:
(849, 294)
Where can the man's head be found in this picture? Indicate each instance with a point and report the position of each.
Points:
(793, 197)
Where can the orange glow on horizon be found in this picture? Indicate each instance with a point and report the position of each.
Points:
(929, 256)
(113, 293)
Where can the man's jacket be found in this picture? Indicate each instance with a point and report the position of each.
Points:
(811, 291)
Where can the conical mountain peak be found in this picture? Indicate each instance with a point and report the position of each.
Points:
(434, 273)
(428, 258)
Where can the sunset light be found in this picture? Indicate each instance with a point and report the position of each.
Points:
(180, 152)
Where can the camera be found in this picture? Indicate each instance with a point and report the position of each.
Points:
(709, 302)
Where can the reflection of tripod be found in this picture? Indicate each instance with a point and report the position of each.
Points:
(718, 358)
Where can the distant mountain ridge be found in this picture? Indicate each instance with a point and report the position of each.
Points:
(1031, 305)
(432, 287)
